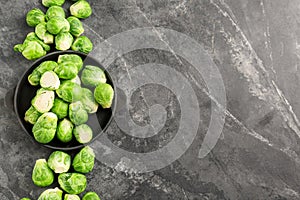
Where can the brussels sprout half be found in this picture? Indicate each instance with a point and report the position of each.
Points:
(63, 41)
(81, 9)
(49, 3)
(43, 100)
(65, 130)
(51, 194)
(34, 17)
(104, 95)
(83, 161)
(91, 196)
(35, 76)
(42, 175)
(82, 44)
(92, 76)
(57, 24)
(32, 115)
(71, 197)
(72, 183)
(76, 27)
(49, 80)
(77, 114)
(55, 11)
(83, 133)
(59, 162)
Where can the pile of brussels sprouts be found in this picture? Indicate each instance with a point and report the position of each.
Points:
(53, 27)
(72, 183)
(61, 106)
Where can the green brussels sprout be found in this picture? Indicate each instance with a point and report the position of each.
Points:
(71, 197)
(83, 133)
(59, 162)
(71, 58)
(63, 41)
(42, 175)
(88, 101)
(69, 91)
(34, 17)
(49, 80)
(57, 24)
(43, 100)
(104, 95)
(84, 160)
(31, 115)
(72, 183)
(35, 76)
(76, 80)
(65, 130)
(92, 76)
(31, 50)
(82, 44)
(91, 196)
(81, 9)
(66, 70)
(49, 3)
(33, 37)
(76, 27)
(51, 194)
(60, 108)
(55, 11)
(77, 113)
(25, 198)
(41, 32)
(48, 39)
(45, 127)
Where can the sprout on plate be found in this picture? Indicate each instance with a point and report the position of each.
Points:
(49, 80)
(77, 114)
(104, 95)
(32, 115)
(35, 76)
(45, 127)
(65, 130)
(92, 76)
(43, 100)
(83, 133)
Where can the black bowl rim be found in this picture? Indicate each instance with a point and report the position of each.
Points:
(19, 117)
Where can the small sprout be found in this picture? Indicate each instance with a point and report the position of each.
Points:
(60, 108)
(83, 133)
(92, 76)
(41, 30)
(34, 17)
(72, 183)
(76, 27)
(55, 11)
(88, 101)
(57, 24)
(69, 91)
(42, 175)
(71, 197)
(91, 196)
(104, 95)
(48, 39)
(59, 162)
(77, 113)
(35, 76)
(76, 80)
(71, 58)
(51, 194)
(49, 3)
(45, 127)
(82, 44)
(63, 41)
(66, 70)
(81, 9)
(84, 160)
(65, 130)
(32, 115)
(43, 101)
(25, 198)
(49, 80)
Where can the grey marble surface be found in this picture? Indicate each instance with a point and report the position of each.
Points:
(254, 44)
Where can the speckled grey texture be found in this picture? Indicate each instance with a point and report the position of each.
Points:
(254, 43)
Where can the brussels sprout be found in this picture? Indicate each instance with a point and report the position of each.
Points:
(69, 91)
(31, 115)
(35, 76)
(82, 44)
(59, 162)
(72, 183)
(60, 108)
(81, 9)
(66, 70)
(33, 37)
(77, 113)
(51, 194)
(42, 175)
(34, 17)
(40, 30)
(76, 80)
(88, 101)
(31, 50)
(49, 80)
(84, 161)
(43, 101)
(71, 197)
(71, 58)
(83, 133)
(65, 130)
(48, 39)
(91, 196)
(45, 127)
(55, 11)
(57, 24)
(104, 95)
(49, 3)
(63, 41)
(76, 27)
(25, 198)
(92, 76)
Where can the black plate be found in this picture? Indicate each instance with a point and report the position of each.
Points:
(25, 92)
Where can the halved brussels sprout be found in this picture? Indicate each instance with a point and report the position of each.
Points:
(49, 3)
(91, 196)
(83, 133)
(51, 194)
(88, 101)
(71, 197)
(84, 160)
(60, 108)
(71, 58)
(81, 9)
(59, 162)
(65, 130)
(104, 95)
(69, 91)
(77, 113)
(45, 127)
(57, 24)
(48, 39)
(72, 183)
(43, 101)
(76, 80)
(66, 70)
(42, 175)
(35, 76)
(34, 17)
(92, 76)
(55, 11)
(76, 27)
(49, 80)
(63, 41)
(32, 115)
(41, 32)
(82, 44)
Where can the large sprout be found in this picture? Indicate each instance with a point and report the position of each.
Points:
(63, 41)
(32, 115)
(88, 101)
(76, 27)
(82, 44)
(83, 133)
(58, 24)
(51, 194)
(71, 58)
(59, 162)
(91, 196)
(104, 95)
(55, 11)
(71, 197)
(35, 76)
(42, 175)
(43, 100)
(72, 183)
(69, 91)
(77, 114)
(92, 76)
(81, 9)
(66, 70)
(49, 3)
(65, 130)
(83, 161)
(34, 17)
(60, 108)
(49, 80)
(45, 127)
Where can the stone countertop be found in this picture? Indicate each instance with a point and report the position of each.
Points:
(253, 44)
